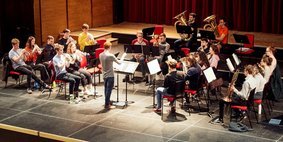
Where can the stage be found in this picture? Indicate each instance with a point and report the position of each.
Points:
(89, 121)
(127, 28)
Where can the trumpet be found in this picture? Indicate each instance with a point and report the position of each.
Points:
(227, 98)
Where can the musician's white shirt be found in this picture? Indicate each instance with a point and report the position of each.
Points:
(248, 85)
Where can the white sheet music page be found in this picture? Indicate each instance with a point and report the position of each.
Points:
(209, 74)
(236, 59)
(123, 56)
(230, 65)
(153, 67)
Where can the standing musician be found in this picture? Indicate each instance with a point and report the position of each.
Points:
(239, 97)
(223, 32)
(178, 44)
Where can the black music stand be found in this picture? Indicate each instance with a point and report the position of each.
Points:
(242, 39)
(127, 68)
(207, 34)
(154, 68)
(146, 50)
(155, 51)
(148, 32)
(183, 29)
(91, 49)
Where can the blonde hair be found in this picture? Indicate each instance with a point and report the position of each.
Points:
(15, 41)
(58, 47)
(69, 48)
(107, 45)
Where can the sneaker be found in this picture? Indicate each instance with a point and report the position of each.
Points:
(29, 91)
(77, 100)
(109, 107)
(217, 121)
(157, 110)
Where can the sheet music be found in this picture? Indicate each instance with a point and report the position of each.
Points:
(230, 65)
(169, 57)
(126, 66)
(153, 67)
(236, 59)
(123, 56)
(209, 74)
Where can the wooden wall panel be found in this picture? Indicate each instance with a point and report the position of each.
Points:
(53, 17)
(37, 22)
(79, 12)
(102, 12)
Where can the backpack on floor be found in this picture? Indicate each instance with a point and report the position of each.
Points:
(238, 127)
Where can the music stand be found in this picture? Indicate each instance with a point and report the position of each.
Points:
(154, 68)
(207, 34)
(146, 50)
(127, 68)
(155, 51)
(148, 32)
(183, 29)
(128, 48)
(91, 48)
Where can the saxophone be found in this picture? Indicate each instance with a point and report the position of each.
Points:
(227, 98)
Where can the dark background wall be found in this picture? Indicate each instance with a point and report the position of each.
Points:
(242, 15)
(16, 21)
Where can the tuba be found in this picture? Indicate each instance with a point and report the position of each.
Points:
(211, 24)
(232, 83)
(181, 20)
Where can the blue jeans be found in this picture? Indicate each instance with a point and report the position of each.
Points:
(108, 86)
(160, 91)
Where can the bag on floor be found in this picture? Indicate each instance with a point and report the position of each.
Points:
(238, 127)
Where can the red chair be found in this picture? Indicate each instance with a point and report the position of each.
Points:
(158, 29)
(62, 84)
(260, 105)
(186, 51)
(16, 75)
(9, 71)
(101, 42)
(244, 108)
(247, 49)
(83, 62)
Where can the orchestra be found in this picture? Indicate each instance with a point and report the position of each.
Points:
(66, 58)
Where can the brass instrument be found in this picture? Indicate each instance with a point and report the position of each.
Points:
(211, 24)
(181, 20)
(232, 83)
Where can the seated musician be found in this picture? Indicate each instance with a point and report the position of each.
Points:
(60, 63)
(222, 31)
(170, 79)
(85, 38)
(260, 81)
(48, 53)
(204, 45)
(66, 39)
(193, 74)
(30, 59)
(16, 55)
(74, 68)
(192, 38)
(213, 56)
(202, 60)
(265, 65)
(139, 57)
(239, 97)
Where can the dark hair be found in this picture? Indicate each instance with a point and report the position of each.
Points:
(193, 14)
(223, 18)
(50, 37)
(203, 59)
(30, 38)
(66, 31)
(266, 59)
(192, 61)
(272, 49)
(214, 48)
(204, 39)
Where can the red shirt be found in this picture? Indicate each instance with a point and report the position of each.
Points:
(223, 30)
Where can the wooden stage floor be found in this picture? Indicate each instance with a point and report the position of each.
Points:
(261, 39)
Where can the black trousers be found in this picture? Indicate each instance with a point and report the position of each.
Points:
(27, 70)
(236, 100)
